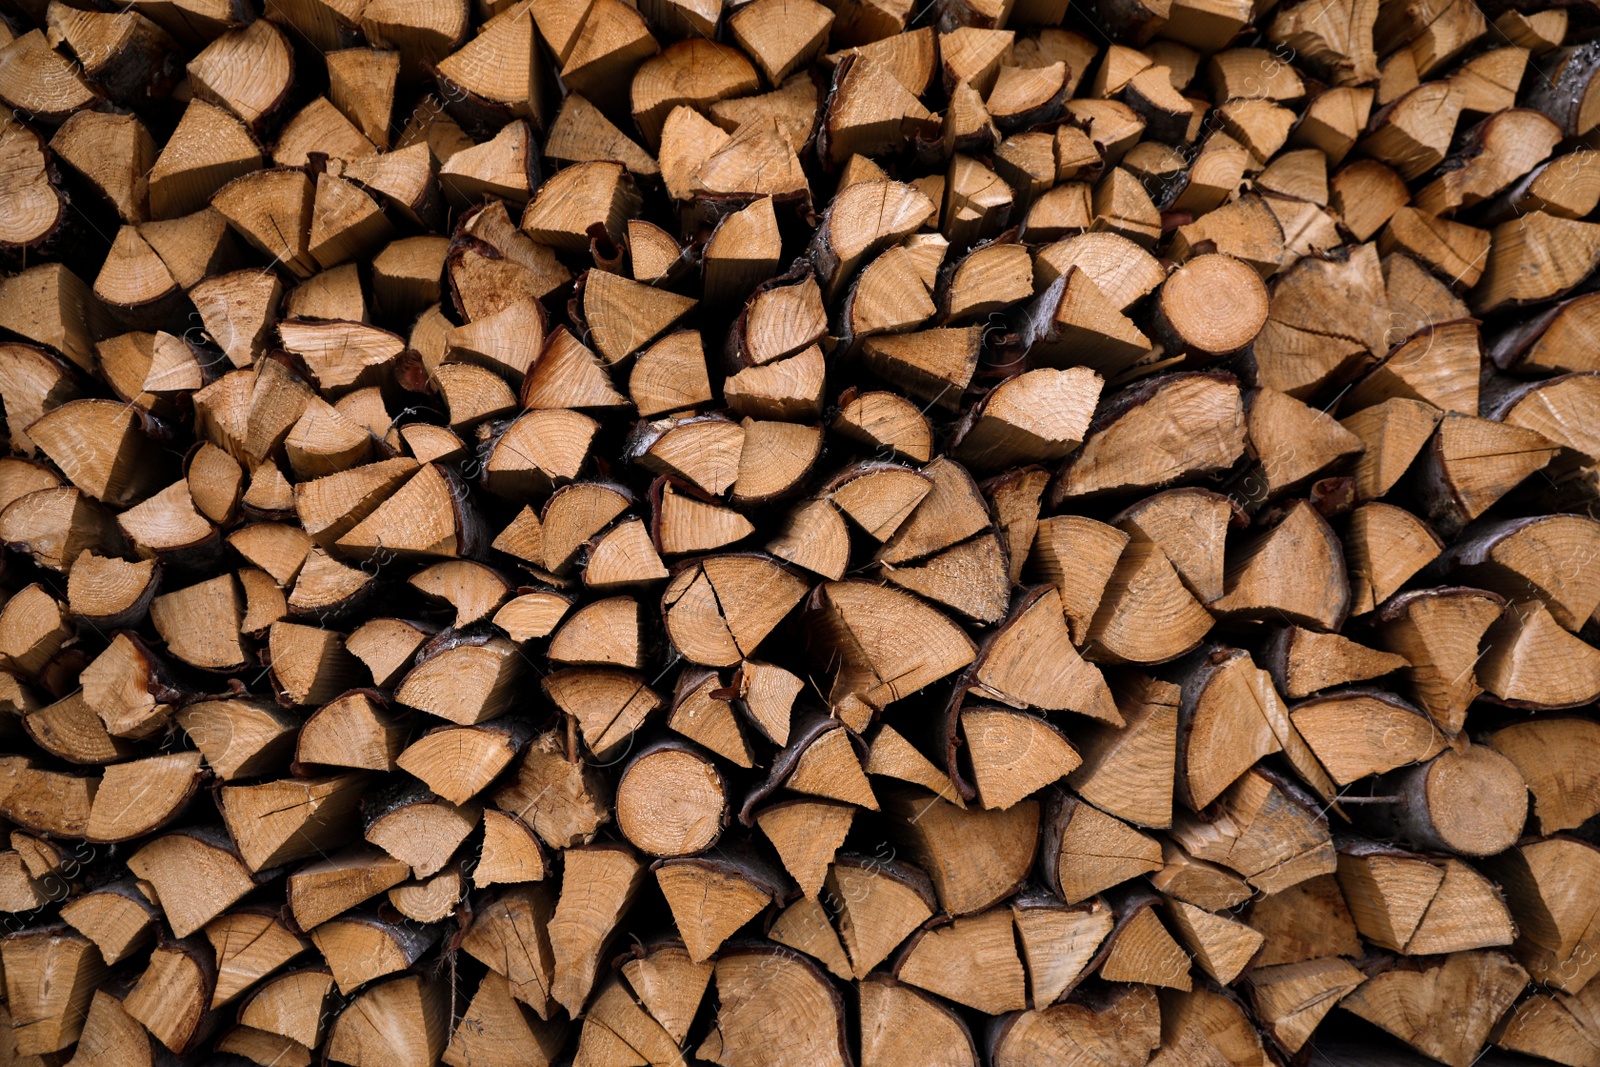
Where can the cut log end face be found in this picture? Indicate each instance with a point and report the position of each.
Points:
(671, 802)
(798, 532)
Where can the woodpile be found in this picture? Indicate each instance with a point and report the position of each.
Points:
(795, 533)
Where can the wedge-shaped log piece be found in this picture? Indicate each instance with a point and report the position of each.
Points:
(109, 1032)
(806, 833)
(356, 730)
(1263, 827)
(532, 615)
(1295, 570)
(99, 447)
(1291, 999)
(1222, 946)
(1229, 718)
(540, 449)
(1073, 320)
(774, 460)
(1535, 257)
(668, 984)
(1438, 366)
(624, 316)
(1128, 771)
(820, 760)
(272, 211)
(597, 885)
(1532, 662)
(48, 802)
(171, 997)
(869, 112)
(510, 937)
(810, 1033)
(498, 74)
(882, 643)
(324, 888)
(1549, 341)
(713, 895)
(402, 1022)
(880, 497)
(496, 1029)
(892, 756)
(117, 917)
(1037, 416)
(506, 167)
(465, 678)
(1357, 732)
(581, 133)
(1556, 935)
(1280, 917)
(703, 711)
(767, 694)
(51, 974)
(417, 827)
(942, 839)
(1551, 1026)
(1303, 661)
(1412, 1003)
(360, 947)
(1193, 422)
(616, 1019)
(1114, 1024)
(1472, 463)
(512, 851)
(138, 797)
(1147, 614)
(341, 355)
(1085, 851)
(1439, 631)
(933, 366)
(1059, 942)
(703, 450)
(1084, 548)
(459, 762)
(293, 1005)
(429, 517)
(249, 944)
(565, 802)
(879, 904)
(241, 738)
(1522, 558)
(1013, 754)
(900, 1024)
(1207, 1023)
(1139, 948)
(1293, 443)
(1190, 528)
(971, 960)
(861, 221)
(1030, 662)
(1384, 546)
(249, 71)
(197, 874)
(1328, 318)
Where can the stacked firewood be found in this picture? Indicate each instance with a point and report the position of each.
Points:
(620, 532)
